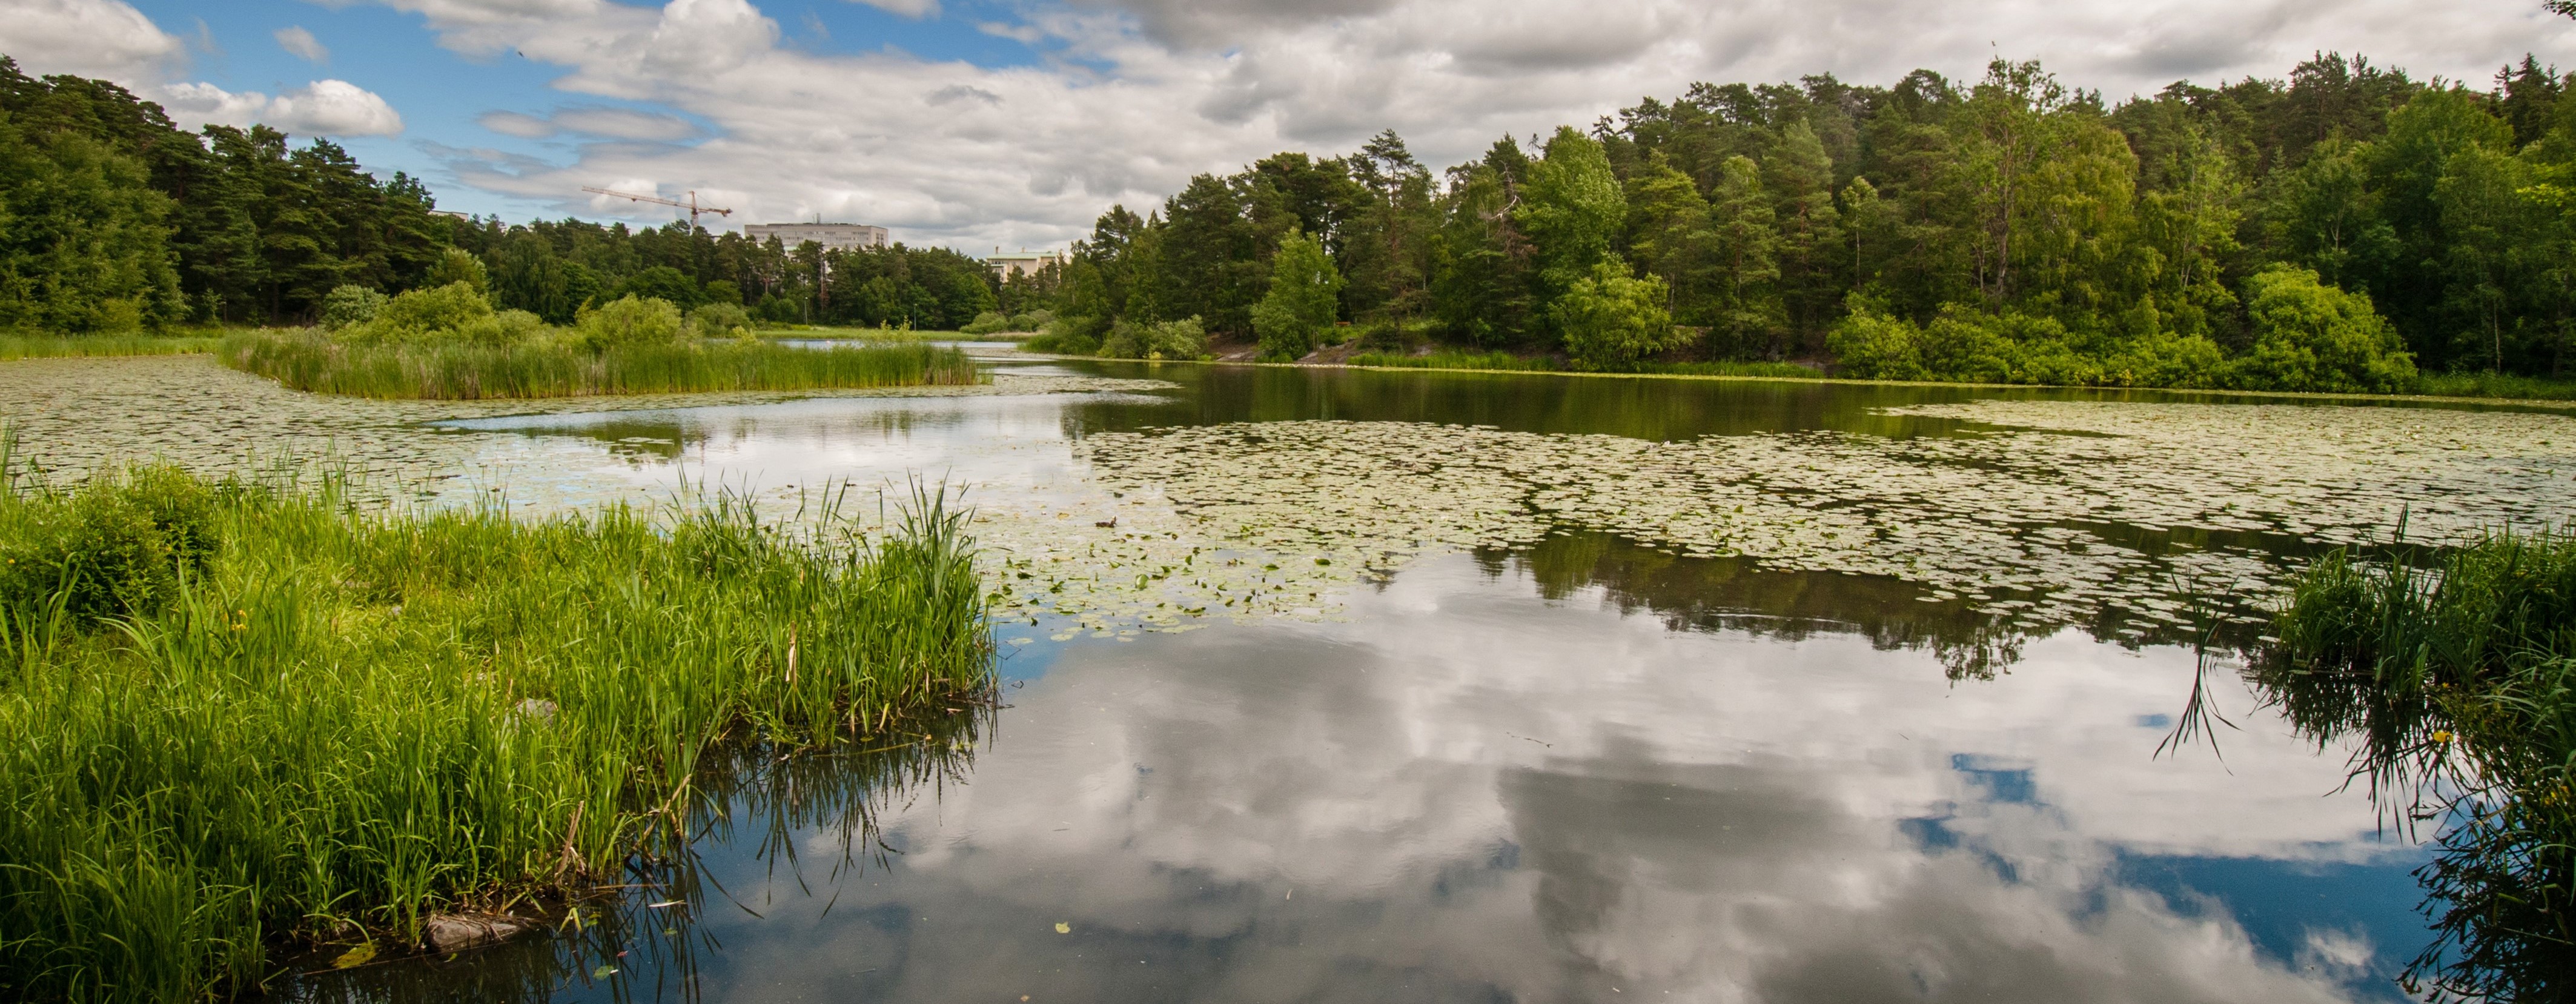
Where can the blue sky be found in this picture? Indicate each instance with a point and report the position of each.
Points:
(982, 123)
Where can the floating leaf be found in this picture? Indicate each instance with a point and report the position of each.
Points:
(359, 956)
(1062, 927)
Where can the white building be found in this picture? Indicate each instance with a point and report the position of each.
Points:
(1026, 262)
(833, 236)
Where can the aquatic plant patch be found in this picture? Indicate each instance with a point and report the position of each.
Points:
(458, 370)
(2038, 515)
(239, 716)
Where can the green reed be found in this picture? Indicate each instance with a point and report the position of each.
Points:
(55, 346)
(337, 723)
(2456, 673)
(551, 368)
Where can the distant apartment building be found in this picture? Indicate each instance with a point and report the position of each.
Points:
(833, 236)
(1005, 266)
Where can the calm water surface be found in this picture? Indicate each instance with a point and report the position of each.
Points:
(1583, 770)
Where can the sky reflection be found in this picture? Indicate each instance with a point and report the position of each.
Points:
(1471, 792)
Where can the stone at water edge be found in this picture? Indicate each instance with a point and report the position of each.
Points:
(451, 932)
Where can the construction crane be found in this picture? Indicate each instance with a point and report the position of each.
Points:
(692, 205)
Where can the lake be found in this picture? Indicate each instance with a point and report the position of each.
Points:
(1412, 686)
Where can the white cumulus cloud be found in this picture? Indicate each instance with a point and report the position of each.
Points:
(321, 108)
(300, 42)
(90, 38)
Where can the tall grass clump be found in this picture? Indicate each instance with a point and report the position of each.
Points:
(2457, 675)
(58, 346)
(449, 343)
(1454, 361)
(240, 718)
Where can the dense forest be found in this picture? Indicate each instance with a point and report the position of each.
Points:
(113, 218)
(2334, 230)
(2339, 229)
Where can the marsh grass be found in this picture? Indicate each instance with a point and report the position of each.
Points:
(343, 722)
(456, 370)
(2497, 385)
(2457, 675)
(59, 346)
(1451, 360)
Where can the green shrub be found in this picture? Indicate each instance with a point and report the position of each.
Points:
(1303, 300)
(628, 320)
(349, 305)
(1159, 340)
(1611, 320)
(2310, 336)
(720, 320)
(1035, 320)
(118, 547)
(1871, 345)
(1073, 336)
(987, 323)
(456, 265)
(422, 315)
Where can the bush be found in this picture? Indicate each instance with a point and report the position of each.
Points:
(2310, 336)
(1304, 299)
(456, 265)
(1073, 336)
(986, 323)
(1159, 340)
(350, 305)
(1035, 320)
(1870, 345)
(1610, 319)
(720, 320)
(117, 548)
(422, 315)
(626, 321)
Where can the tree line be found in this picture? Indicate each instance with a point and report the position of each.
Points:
(113, 218)
(2336, 229)
(2333, 230)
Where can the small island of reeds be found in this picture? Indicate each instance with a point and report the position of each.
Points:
(242, 720)
(448, 343)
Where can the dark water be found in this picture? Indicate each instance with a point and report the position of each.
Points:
(1585, 770)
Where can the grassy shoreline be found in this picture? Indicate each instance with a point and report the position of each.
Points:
(2456, 674)
(310, 361)
(69, 346)
(240, 720)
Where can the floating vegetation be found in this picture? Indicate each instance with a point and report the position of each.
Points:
(74, 416)
(2061, 512)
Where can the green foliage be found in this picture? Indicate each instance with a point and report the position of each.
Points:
(1571, 208)
(1610, 319)
(1453, 361)
(122, 548)
(55, 346)
(536, 363)
(2455, 679)
(1293, 317)
(442, 313)
(338, 723)
(456, 265)
(2313, 337)
(720, 320)
(1182, 339)
(84, 247)
(1072, 335)
(987, 323)
(628, 321)
(351, 305)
